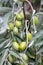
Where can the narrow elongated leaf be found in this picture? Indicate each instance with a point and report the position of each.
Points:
(3, 44)
(4, 56)
(17, 55)
(4, 9)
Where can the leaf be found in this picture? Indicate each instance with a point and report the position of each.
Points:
(17, 55)
(39, 44)
(4, 44)
(40, 48)
(9, 63)
(7, 17)
(4, 9)
(30, 53)
(2, 39)
(4, 56)
(19, 38)
(38, 34)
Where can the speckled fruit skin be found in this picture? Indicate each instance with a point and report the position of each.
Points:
(15, 30)
(35, 20)
(29, 36)
(11, 26)
(20, 16)
(11, 58)
(15, 46)
(21, 63)
(23, 46)
(18, 23)
(25, 57)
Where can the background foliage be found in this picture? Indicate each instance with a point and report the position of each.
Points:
(35, 47)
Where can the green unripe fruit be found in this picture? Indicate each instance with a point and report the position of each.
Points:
(23, 46)
(21, 63)
(15, 30)
(18, 23)
(29, 36)
(11, 26)
(25, 57)
(35, 20)
(15, 45)
(11, 58)
(42, 58)
(20, 16)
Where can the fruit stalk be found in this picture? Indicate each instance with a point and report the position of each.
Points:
(24, 11)
(25, 19)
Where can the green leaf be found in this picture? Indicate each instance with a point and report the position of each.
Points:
(38, 34)
(4, 44)
(4, 56)
(4, 10)
(30, 53)
(17, 55)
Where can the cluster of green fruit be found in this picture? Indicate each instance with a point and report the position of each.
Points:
(16, 31)
(12, 59)
(14, 26)
(17, 46)
(18, 23)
